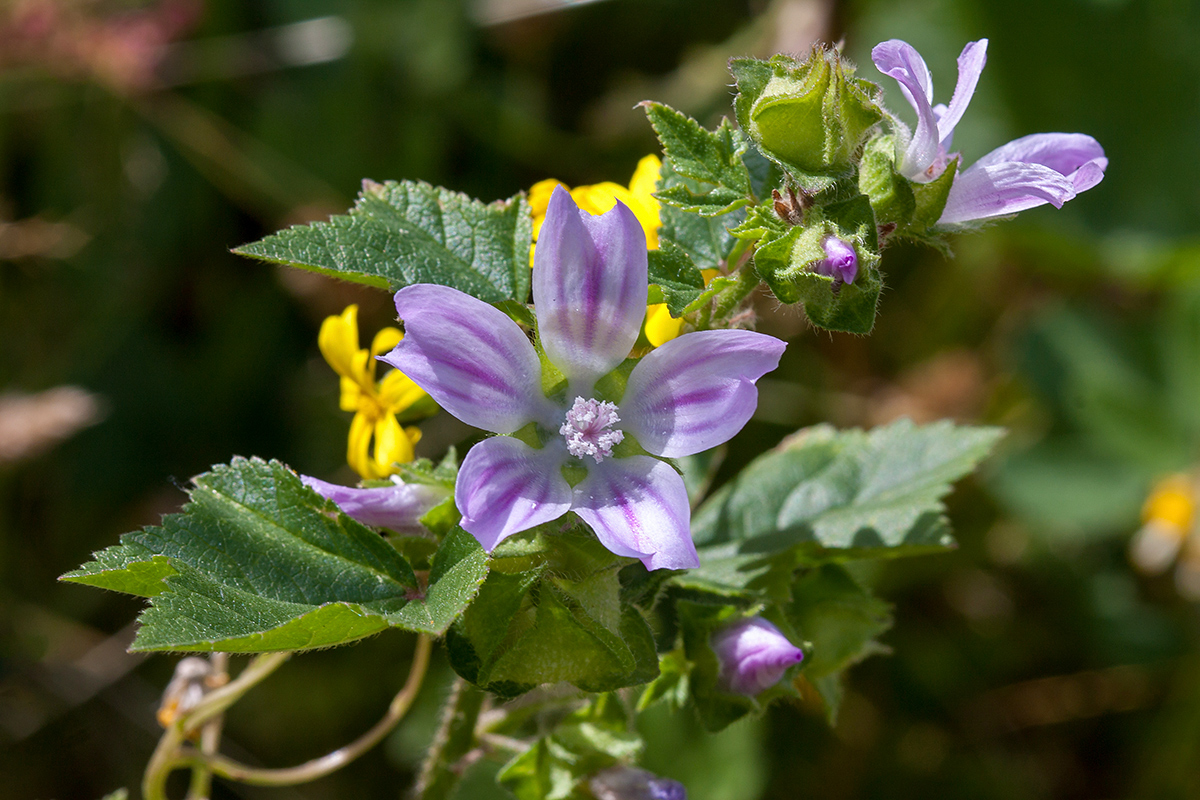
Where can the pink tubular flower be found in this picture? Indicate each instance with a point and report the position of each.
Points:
(1027, 172)
(589, 291)
(399, 507)
(754, 654)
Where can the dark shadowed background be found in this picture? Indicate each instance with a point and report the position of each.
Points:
(140, 141)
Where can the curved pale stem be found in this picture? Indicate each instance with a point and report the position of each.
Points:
(166, 757)
(320, 767)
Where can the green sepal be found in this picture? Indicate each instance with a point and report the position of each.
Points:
(809, 116)
(403, 233)
(551, 611)
(785, 261)
(671, 685)
(931, 198)
(838, 620)
(715, 179)
(891, 194)
(697, 621)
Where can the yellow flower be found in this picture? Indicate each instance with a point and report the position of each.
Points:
(600, 197)
(1169, 531)
(376, 405)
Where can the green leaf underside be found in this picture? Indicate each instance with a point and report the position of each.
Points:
(257, 561)
(401, 233)
(842, 495)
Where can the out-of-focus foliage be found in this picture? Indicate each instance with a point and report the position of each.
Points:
(1024, 665)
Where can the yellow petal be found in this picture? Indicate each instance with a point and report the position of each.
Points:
(397, 392)
(413, 433)
(644, 182)
(660, 326)
(1172, 501)
(358, 447)
(350, 394)
(709, 274)
(338, 340)
(362, 370)
(642, 186)
(392, 445)
(600, 197)
(539, 196)
(385, 341)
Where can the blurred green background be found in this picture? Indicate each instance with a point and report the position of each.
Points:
(139, 142)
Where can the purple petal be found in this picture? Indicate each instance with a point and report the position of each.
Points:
(399, 507)
(638, 507)
(999, 189)
(589, 288)
(753, 655)
(840, 262)
(901, 61)
(970, 66)
(470, 357)
(697, 391)
(505, 487)
(1062, 152)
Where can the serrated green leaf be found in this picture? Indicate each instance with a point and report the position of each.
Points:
(409, 232)
(127, 567)
(712, 203)
(706, 240)
(679, 281)
(712, 160)
(257, 561)
(850, 494)
(458, 570)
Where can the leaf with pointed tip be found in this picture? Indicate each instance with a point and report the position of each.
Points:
(837, 495)
(714, 177)
(409, 232)
(257, 561)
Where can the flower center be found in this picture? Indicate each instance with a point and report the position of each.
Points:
(588, 429)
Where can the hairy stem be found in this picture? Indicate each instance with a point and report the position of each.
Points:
(320, 767)
(727, 301)
(455, 738)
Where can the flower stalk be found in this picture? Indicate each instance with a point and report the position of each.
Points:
(330, 762)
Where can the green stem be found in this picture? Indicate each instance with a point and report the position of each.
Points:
(210, 734)
(320, 767)
(167, 756)
(727, 301)
(455, 738)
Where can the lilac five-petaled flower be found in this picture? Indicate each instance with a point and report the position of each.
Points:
(753, 655)
(1026, 172)
(590, 292)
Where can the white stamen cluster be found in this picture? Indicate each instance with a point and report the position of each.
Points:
(588, 429)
